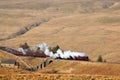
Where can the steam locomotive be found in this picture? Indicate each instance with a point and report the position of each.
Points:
(82, 58)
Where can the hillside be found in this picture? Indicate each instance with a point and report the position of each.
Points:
(4, 55)
(57, 70)
(61, 69)
(81, 67)
(89, 26)
(18, 14)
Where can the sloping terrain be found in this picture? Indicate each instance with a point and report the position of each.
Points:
(81, 67)
(4, 55)
(30, 61)
(62, 69)
(89, 26)
(95, 37)
(20, 13)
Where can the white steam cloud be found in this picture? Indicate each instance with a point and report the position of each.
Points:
(22, 50)
(66, 54)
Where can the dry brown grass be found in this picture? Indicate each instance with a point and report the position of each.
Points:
(79, 67)
(73, 25)
(33, 61)
(73, 33)
(66, 70)
(94, 33)
(58, 77)
(12, 21)
(5, 55)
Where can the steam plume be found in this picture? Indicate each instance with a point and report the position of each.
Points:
(59, 53)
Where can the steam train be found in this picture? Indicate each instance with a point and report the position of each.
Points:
(17, 53)
(41, 55)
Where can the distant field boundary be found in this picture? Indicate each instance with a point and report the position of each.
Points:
(24, 30)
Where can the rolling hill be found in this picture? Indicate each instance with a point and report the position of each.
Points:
(81, 67)
(61, 69)
(90, 26)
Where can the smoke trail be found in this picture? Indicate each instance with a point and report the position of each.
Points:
(66, 54)
(43, 46)
(22, 50)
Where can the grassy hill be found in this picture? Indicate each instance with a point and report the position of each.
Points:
(61, 69)
(90, 26)
(81, 67)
